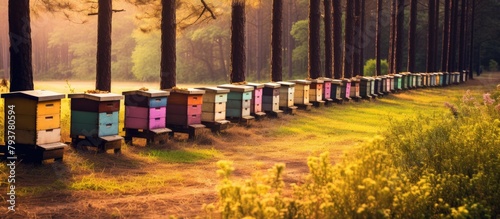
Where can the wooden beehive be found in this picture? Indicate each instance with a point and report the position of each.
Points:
(398, 82)
(37, 123)
(346, 89)
(327, 89)
(256, 102)
(94, 115)
(383, 84)
(145, 109)
(365, 87)
(316, 90)
(239, 100)
(271, 97)
(355, 91)
(390, 83)
(214, 104)
(302, 89)
(184, 107)
(287, 94)
(336, 90)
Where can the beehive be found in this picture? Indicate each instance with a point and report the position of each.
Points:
(355, 88)
(383, 85)
(287, 94)
(214, 104)
(256, 102)
(365, 87)
(316, 90)
(37, 123)
(398, 82)
(302, 89)
(271, 97)
(378, 85)
(327, 89)
(346, 89)
(239, 100)
(184, 107)
(390, 83)
(336, 90)
(145, 109)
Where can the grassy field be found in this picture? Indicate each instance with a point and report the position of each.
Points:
(177, 178)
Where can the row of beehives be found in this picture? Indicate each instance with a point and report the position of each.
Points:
(155, 114)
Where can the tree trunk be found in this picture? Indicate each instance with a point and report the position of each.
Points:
(21, 69)
(104, 20)
(399, 37)
(446, 30)
(412, 33)
(348, 45)
(461, 44)
(378, 31)
(314, 39)
(452, 65)
(337, 39)
(290, 42)
(258, 43)
(356, 38)
(472, 24)
(362, 39)
(328, 38)
(392, 37)
(276, 41)
(431, 43)
(168, 49)
(222, 62)
(238, 41)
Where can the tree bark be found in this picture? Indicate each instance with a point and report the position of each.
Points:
(314, 39)
(258, 43)
(431, 43)
(276, 41)
(21, 69)
(392, 37)
(453, 36)
(446, 30)
(168, 49)
(356, 38)
(472, 24)
(362, 39)
(328, 38)
(412, 36)
(378, 31)
(348, 45)
(399, 36)
(238, 41)
(104, 20)
(337, 39)
(462, 44)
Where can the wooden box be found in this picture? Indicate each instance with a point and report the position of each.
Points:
(184, 107)
(316, 90)
(287, 94)
(214, 104)
(302, 89)
(239, 100)
(336, 89)
(95, 102)
(146, 99)
(365, 87)
(378, 85)
(271, 97)
(327, 89)
(355, 88)
(189, 96)
(257, 93)
(398, 82)
(346, 88)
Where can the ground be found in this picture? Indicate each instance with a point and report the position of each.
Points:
(179, 177)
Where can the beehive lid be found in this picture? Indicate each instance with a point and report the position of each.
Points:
(325, 79)
(187, 91)
(366, 79)
(390, 76)
(301, 81)
(215, 90)
(286, 83)
(272, 85)
(37, 95)
(378, 78)
(148, 93)
(316, 81)
(237, 88)
(255, 85)
(346, 80)
(97, 97)
(355, 80)
(440, 73)
(398, 75)
(337, 81)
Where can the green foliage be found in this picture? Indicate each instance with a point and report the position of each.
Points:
(493, 65)
(437, 166)
(371, 66)
(146, 56)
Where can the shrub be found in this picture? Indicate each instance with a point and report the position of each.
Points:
(371, 66)
(429, 166)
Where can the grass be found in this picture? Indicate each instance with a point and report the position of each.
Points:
(184, 172)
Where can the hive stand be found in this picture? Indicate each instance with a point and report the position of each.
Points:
(239, 100)
(346, 89)
(37, 125)
(213, 110)
(301, 96)
(365, 88)
(145, 116)
(355, 94)
(287, 97)
(94, 121)
(271, 99)
(256, 103)
(316, 89)
(336, 91)
(184, 111)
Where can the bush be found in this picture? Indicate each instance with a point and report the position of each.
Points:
(493, 65)
(371, 66)
(436, 166)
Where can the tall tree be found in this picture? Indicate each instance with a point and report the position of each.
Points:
(356, 38)
(398, 57)
(362, 38)
(431, 38)
(276, 41)
(348, 41)
(392, 37)
(337, 39)
(328, 38)
(453, 36)
(472, 11)
(238, 41)
(168, 49)
(462, 32)
(446, 30)
(314, 39)
(378, 31)
(103, 66)
(412, 34)
(21, 69)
